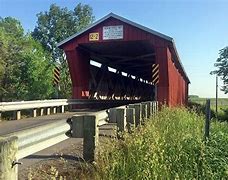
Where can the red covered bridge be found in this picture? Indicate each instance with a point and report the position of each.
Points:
(136, 63)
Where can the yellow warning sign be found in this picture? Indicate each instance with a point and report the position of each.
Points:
(155, 74)
(94, 36)
(56, 75)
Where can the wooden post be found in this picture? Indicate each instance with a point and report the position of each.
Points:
(138, 113)
(144, 111)
(91, 134)
(152, 108)
(8, 151)
(112, 115)
(54, 110)
(34, 112)
(48, 111)
(208, 118)
(41, 111)
(156, 106)
(77, 126)
(130, 118)
(148, 109)
(86, 127)
(62, 109)
(18, 115)
(70, 107)
(121, 119)
(216, 97)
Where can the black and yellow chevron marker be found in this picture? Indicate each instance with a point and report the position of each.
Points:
(56, 75)
(155, 74)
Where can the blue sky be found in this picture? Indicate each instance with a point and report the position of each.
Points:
(199, 28)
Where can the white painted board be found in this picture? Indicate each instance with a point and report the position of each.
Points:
(113, 32)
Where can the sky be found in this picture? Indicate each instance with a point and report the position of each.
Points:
(199, 28)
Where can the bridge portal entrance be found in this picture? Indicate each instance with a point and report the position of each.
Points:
(116, 58)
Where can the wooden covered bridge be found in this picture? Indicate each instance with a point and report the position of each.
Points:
(135, 63)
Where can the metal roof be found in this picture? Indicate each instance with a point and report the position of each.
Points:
(168, 38)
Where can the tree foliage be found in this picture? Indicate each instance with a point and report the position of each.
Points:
(56, 25)
(25, 68)
(222, 68)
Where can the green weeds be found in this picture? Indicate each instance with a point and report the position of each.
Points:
(168, 146)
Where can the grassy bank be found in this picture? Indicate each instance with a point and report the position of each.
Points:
(222, 107)
(169, 146)
(221, 101)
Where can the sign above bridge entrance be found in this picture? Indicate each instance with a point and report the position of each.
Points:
(112, 32)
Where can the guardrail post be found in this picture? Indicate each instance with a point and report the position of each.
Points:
(77, 126)
(148, 109)
(86, 127)
(144, 111)
(0, 115)
(138, 113)
(18, 115)
(112, 115)
(121, 119)
(153, 107)
(130, 118)
(62, 109)
(90, 137)
(34, 112)
(48, 111)
(8, 151)
(54, 110)
(41, 111)
(156, 107)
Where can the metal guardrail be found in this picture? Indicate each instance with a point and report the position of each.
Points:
(38, 138)
(21, 105)
(41, 137)
(54, 103)
(20, 144)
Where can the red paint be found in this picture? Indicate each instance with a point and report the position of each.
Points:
(79, 67)
(173, 83)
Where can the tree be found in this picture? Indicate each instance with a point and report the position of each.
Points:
(12, 27)
(25, 67)
(9, 27)
(36, 71)
(222, 68)
(56, 25)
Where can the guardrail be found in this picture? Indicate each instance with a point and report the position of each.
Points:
(20, 144)
(53, 105)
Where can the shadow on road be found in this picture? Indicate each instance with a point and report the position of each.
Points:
(55, 156)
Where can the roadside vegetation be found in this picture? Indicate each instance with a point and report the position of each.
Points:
(169, 146)
(198, 104)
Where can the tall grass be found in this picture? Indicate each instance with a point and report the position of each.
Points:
(168, 146)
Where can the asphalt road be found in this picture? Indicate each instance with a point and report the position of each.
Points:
(54, 152)
(71, 148)
(7, 127)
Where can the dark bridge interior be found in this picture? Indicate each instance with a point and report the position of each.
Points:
(132, 62)
(132, 57)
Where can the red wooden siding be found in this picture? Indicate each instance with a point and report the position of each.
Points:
(172, 88)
